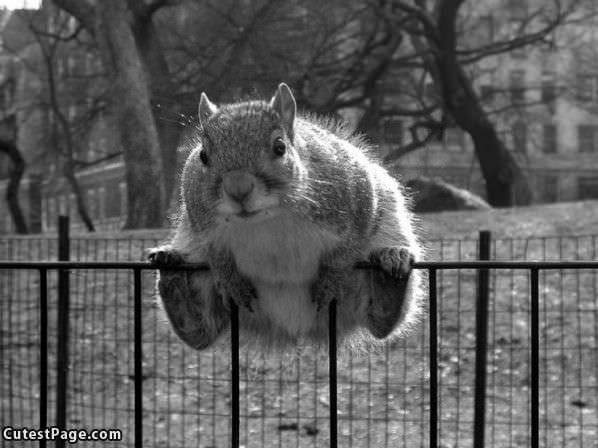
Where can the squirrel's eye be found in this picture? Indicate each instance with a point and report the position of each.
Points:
(279, 147)
(203, 157)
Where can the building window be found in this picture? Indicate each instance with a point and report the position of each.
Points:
(73, 207)
(72, 112)
(520, 137)
(549, 141)
(550, 188)
(51, 215)
(587, 87)
(487, 23)
(89, 64)
(548, 88)
(91, 151)
(102, 203)
(44, 213)
(62, 205)
(4, 103)
(587, 187)
(91, 203)
(517, 86)
(392, 131)
(586, 134)
(122, 189)
(70, 65)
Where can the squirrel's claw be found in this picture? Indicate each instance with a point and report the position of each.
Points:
(240, 291)
(325, 289)
(394, 261)
(165, 258)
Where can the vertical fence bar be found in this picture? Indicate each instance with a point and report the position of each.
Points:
(43, 352)
(234, 350)
(62, 358)
(481, 358)
(138, 355)
(433, 318)
(535, 405)
(332, 374)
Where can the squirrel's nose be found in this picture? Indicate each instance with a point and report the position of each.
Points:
(238, 185)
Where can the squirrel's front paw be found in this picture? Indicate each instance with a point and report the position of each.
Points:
(165, 258)
(394, 261)
(387, 289)
(239, 290)
(326, 288)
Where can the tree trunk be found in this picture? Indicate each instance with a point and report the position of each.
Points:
(506, 184)
(162, 90)
(139, 136)
(12, 191)
(69, 175)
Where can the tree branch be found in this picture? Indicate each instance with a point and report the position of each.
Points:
(12, 191)
(434, 129)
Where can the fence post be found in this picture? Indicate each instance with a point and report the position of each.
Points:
(43, 352)
(433, 320)
(332, 374)
(138, 357)
(535, 367)
(481, 351)
(234, 353)
(62, 358)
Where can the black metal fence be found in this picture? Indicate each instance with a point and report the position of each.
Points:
(510, 360)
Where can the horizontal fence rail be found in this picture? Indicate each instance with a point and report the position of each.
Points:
(534, 267)
(527, 265)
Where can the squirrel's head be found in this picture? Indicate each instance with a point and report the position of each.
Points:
(246, 162)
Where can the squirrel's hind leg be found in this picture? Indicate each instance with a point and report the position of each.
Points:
(190, 300)
(388, 283)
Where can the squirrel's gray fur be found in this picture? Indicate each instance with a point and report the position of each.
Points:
(281, 207)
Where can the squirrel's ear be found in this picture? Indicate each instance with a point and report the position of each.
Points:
(206, 109)
(284, 104)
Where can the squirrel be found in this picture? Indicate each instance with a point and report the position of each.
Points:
(281, 206)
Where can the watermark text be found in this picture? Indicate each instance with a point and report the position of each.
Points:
(11, 434)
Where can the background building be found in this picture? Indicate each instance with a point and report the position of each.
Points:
(543, 100)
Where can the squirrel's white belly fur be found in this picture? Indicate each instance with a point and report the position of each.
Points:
(280, 255)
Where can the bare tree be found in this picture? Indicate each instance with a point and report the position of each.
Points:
(443, 54)
(110, 24)
(9, 148)
(347, 49)
(48, 43)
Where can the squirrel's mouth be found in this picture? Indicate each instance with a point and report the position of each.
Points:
(246, 214)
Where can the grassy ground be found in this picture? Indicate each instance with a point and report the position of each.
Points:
(383, 397)
(564, 219)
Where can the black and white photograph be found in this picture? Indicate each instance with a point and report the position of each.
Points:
(299, 223)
